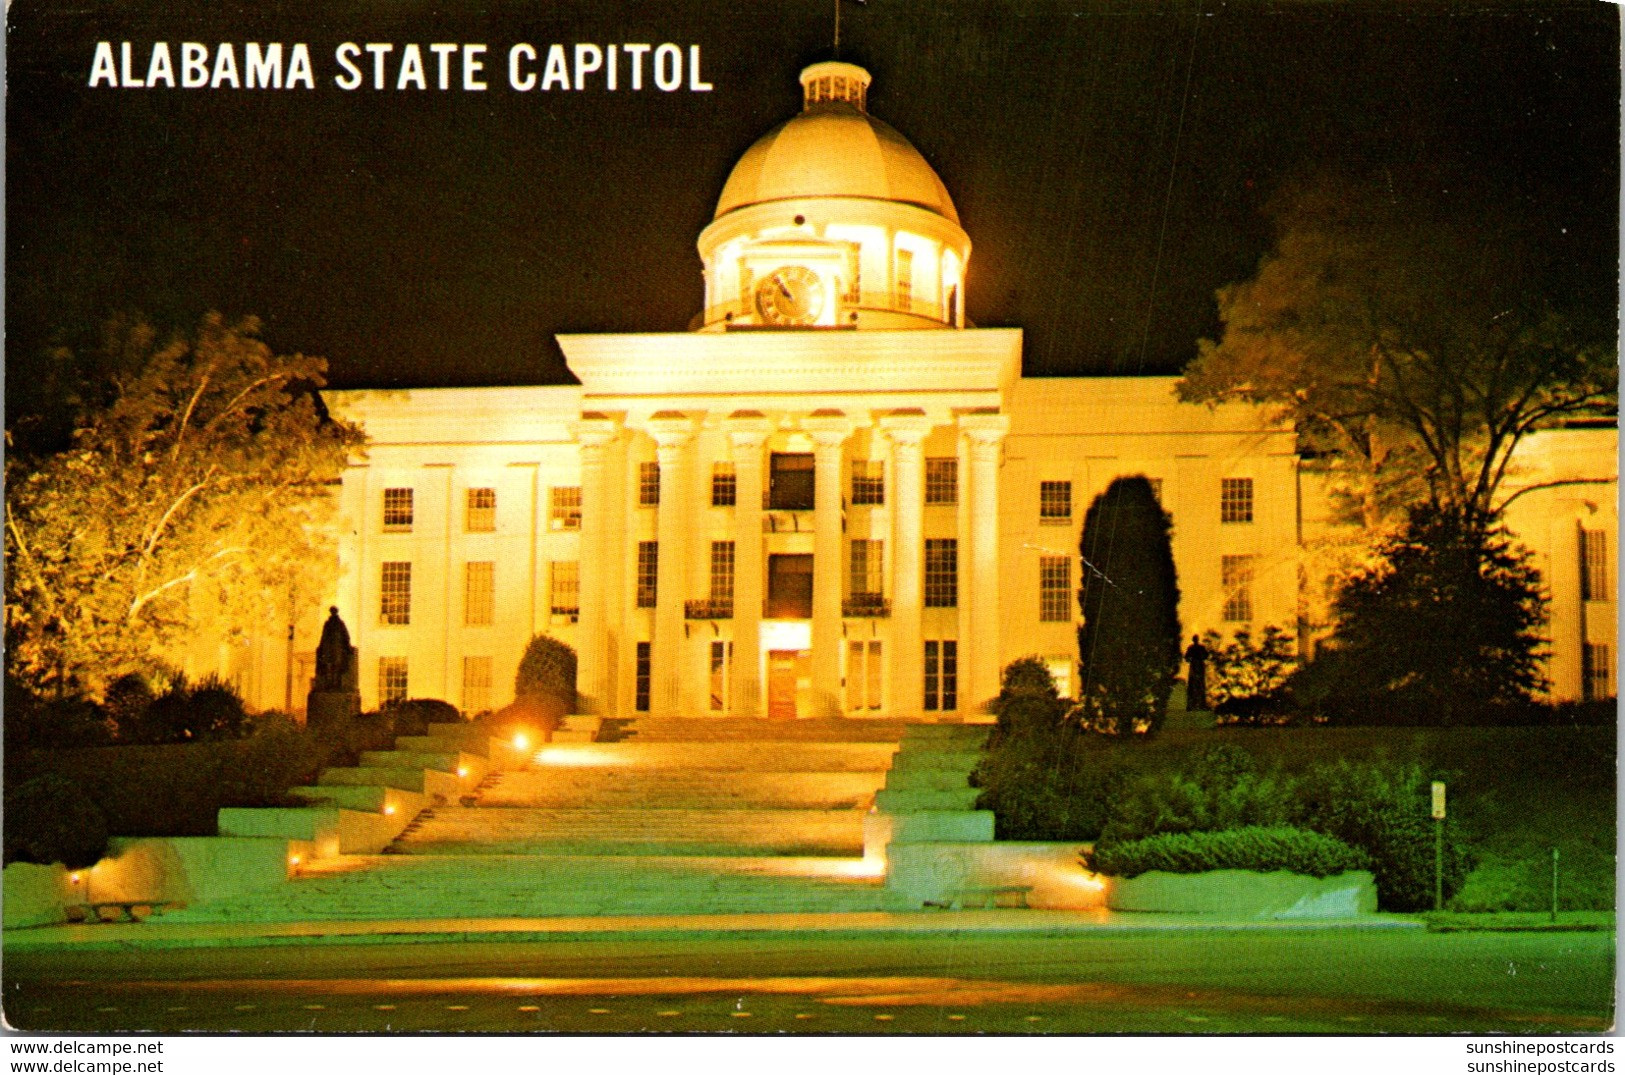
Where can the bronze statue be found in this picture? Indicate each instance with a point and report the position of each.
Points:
(335, 657)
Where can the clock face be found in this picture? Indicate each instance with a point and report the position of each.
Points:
(793, 295)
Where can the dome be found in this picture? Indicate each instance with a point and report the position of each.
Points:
(834, 149)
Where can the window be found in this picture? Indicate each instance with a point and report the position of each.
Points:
(722, 572)
(722, 653)
(395, 594)
(792, 487)
(565, 599)
(867, 556)
(564, 510)
(1236, 580)
(648, 573)
(640, 698)
(479, 592)
(1597, 672)
(476, 684)
(863, 675)
(942, 676)
(942, 481)
(648, 485)
(391, 680)
(480, 515)
(905, 280)
(1055, 503)
(1054, 589)
(1236, 500)
(1594, 565)
(724, 485)
(1060, 672)
(941, 573)
(397, 511)
(868, 481)
(789, 586)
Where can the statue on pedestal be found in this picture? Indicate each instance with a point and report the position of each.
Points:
(334, 690)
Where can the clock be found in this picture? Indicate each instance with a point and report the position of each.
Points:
(792, 295)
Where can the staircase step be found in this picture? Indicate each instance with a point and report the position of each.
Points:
(761, 756)
(456, 830)
(586, 786)
(723, 729)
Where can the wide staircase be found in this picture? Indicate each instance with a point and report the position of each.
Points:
(668, 817)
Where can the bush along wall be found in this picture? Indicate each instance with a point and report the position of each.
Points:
(1253, 848)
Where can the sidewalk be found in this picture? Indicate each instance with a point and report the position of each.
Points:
(135, 936)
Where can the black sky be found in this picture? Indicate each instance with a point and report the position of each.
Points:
(1109, 160)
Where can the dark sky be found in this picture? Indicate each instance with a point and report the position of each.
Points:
(1109, 160)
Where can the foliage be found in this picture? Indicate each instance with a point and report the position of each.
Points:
(1027, 702)
(50, 819)
(1445, 630)
(1414, 345)
(1045, 787)
(1221, 787)
(412, 716)
(1129, 640)
(210, 709)
(72, 721)
(1252, 848)
(547, 672)
(194, 494)
(1248, 678)
(1383, 809)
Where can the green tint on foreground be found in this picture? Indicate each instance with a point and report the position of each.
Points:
(1303, 982)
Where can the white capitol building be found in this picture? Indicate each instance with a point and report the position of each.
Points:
(834, 496)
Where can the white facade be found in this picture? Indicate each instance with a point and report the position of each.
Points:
(833, 498)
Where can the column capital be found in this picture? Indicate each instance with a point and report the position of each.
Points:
(596, 430)
(748, 430)
(828, 428)
(984, 427)
(907, 426)
(671, 429)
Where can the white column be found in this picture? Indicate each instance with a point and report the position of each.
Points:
(672, 435)
(747, 432)
(907, 433)
(829, 432)
(598, 541)
(985, 433)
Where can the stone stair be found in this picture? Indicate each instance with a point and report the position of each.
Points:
(649, 817)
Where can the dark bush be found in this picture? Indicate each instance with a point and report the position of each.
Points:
(1383, 809)
(207, 711)
(547, 673)
(1253, 848)
(1128, 645)
(55, 724)
(1027, 703)
(50, 819)
(127, 700)
(414, 715)
(1220, 788)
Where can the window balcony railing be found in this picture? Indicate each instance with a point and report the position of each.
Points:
(567, 612)
(709, 608)
(866, 606)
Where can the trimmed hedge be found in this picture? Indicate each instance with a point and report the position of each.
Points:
(1253, 848)
(51, 819)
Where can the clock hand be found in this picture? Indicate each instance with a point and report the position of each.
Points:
(784, 290)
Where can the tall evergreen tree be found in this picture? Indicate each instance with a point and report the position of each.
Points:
(1129, 642)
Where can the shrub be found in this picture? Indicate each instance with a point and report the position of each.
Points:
(547, 673)
(1045, 787)
(50, 819)
(1247, 679)
(1252, 848)
(413, 716)
(1220, 788)
(127, 700)
(58, 724)
(187, 713)
(1129, 641)
(1382, 809)
(1027, 703)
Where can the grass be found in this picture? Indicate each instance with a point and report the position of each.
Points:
(1514, 794)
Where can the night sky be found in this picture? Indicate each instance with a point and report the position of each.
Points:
(1110, 162)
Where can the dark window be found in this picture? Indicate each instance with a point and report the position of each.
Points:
(395, 594)
(1054, 589)
(648, 573)
(565, 510)
(942, 675)
(868, 481)
(789, 587)
(1236, 500)
(391, 679)
(722, 572)
(397, 511)
(640, 701)
(1055, 503)
(724, 485)
(648, 484)
(1597, 671)
(480, 511)
(792, 482)
(941, 573)
(942, 480)
(1594, 565)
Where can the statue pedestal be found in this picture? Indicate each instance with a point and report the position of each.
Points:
(325, 709)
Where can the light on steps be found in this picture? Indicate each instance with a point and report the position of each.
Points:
(520, 741)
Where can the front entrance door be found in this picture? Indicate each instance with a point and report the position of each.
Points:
(784, 674)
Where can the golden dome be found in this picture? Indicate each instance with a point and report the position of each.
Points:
(834, 149)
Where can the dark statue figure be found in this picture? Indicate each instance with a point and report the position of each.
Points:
(1196, 682)
(334, 656)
